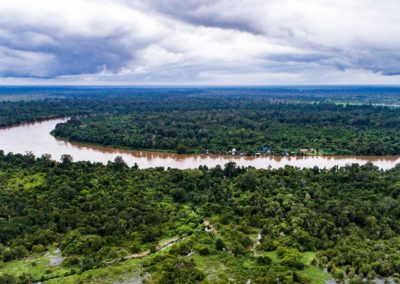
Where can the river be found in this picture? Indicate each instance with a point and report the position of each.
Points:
(36, 138)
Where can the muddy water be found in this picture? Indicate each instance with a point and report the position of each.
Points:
(35, 137)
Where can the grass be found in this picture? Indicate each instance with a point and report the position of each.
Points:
(218, 267)
(37, 266)
(317, 275)
(272, 255)
(118, 272)
(129, 270)
(27, 182)
(214, 268)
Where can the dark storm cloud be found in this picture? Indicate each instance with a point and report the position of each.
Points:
(70, 55)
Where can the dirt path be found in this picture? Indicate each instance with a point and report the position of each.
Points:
(163, 244)
(256, 243)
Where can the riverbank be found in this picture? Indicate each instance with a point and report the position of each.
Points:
(279, 130)
(29, 122)
(36, 138)
(300, 153)
(305, 152)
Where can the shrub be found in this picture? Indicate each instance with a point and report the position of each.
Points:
(78, 244)
(290, 257)
(181, 249)
(179, 195)
(134, 248)
(245, 241)
(71, 261)
(180, 271)
(202, 250)
(6, 279)
(38, 248)
(14, 253)
(264, 260)
(219, 245)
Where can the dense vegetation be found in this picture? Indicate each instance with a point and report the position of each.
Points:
(102, 216)
(282, 128)
(21, 104)
(192, 120)
(380, 95)
(67, 222)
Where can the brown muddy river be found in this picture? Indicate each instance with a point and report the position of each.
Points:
(36, 138)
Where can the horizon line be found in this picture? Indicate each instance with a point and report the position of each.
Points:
(197, 85)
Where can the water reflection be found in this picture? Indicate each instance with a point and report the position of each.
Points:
(35, 137)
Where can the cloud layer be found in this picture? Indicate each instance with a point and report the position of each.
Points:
(200, 41)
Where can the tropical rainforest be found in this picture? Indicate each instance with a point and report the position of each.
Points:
(274, 121)
(279, 128)
(81, 222)
(224, 224)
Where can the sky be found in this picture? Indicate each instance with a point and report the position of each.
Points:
(199, 42)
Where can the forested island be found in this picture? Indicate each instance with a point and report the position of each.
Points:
(275, 129)
(80, 222)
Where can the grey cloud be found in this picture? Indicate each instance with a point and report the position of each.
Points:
(71, 54)
(205, 13)
(53, 49)
(77, 55)
(356, 52)
(386, 62)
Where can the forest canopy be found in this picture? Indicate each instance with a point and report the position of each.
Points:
(280, 121)
(81, 222)
(101, 215)
(277, 128)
